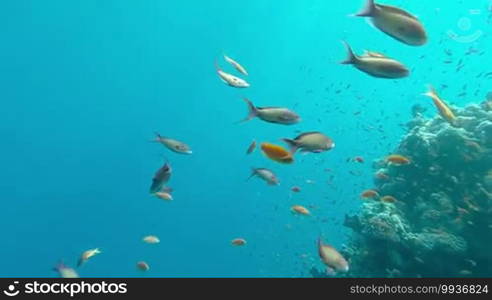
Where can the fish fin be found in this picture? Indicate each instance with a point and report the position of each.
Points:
(368, 11)
(293, 145)
(252, 111)
(351, 57)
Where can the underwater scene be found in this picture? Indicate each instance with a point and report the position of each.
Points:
(264, 138)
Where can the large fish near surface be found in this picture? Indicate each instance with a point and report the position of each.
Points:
(173, 145)
(161, 177)
(278, 115)
(396, 23)
(230, 79)
(376, 64)
(314, 142)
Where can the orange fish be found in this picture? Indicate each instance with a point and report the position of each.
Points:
(251, 148)
(388, 199)
(332, 258)
(397, 159)
(369, 194)
(277, 153)
(238, 242)
(444, 110)
(301, 210)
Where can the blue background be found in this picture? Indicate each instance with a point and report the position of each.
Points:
(84, 84)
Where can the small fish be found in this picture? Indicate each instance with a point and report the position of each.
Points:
(466, 272)
(143, 266)
(265, 174)
(277, 153)
(161, 177)
(314, 142)
(358, 159)
(381, 176)
(251, 148)
(300, 210)
(230, 79)
(164, 196)
(396, 23)
(236, 65)
(376, 66)
(65, 271)
(388, 199)
(238, 242)
(277, 115)
(369, 194)
(173, 145)
(332, 258)
(398, 159)
(296, 189)
(444, 110)
(151, 239)
(86, 255)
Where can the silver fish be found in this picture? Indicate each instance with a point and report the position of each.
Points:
(265, 174)
(230, 79)
(376, 64)
(236, 65)
(173, 145)
(161, 177)
(314, 142)
(395, 22)
(278, 115)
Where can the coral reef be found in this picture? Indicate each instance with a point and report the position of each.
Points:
(441, 223)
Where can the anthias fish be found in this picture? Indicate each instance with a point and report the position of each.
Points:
(238, 242)
(236, 65)
(161, 177)
(277, 153)
(251, 148)
(173, 145)
(65, 271)
(278, 115)
(376, 65)
(332, 258)
(86, 255)
(395, 22)
(444, 111)
(315, 142)
(230, 79)
(265, 174)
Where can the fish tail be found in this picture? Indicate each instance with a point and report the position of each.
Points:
(253, 173)
(217, 67)
(369, 9)
(431, 92)
(293, 145)
(252, 111)
(351, 57)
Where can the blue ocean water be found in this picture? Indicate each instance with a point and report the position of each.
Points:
(86, 83)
